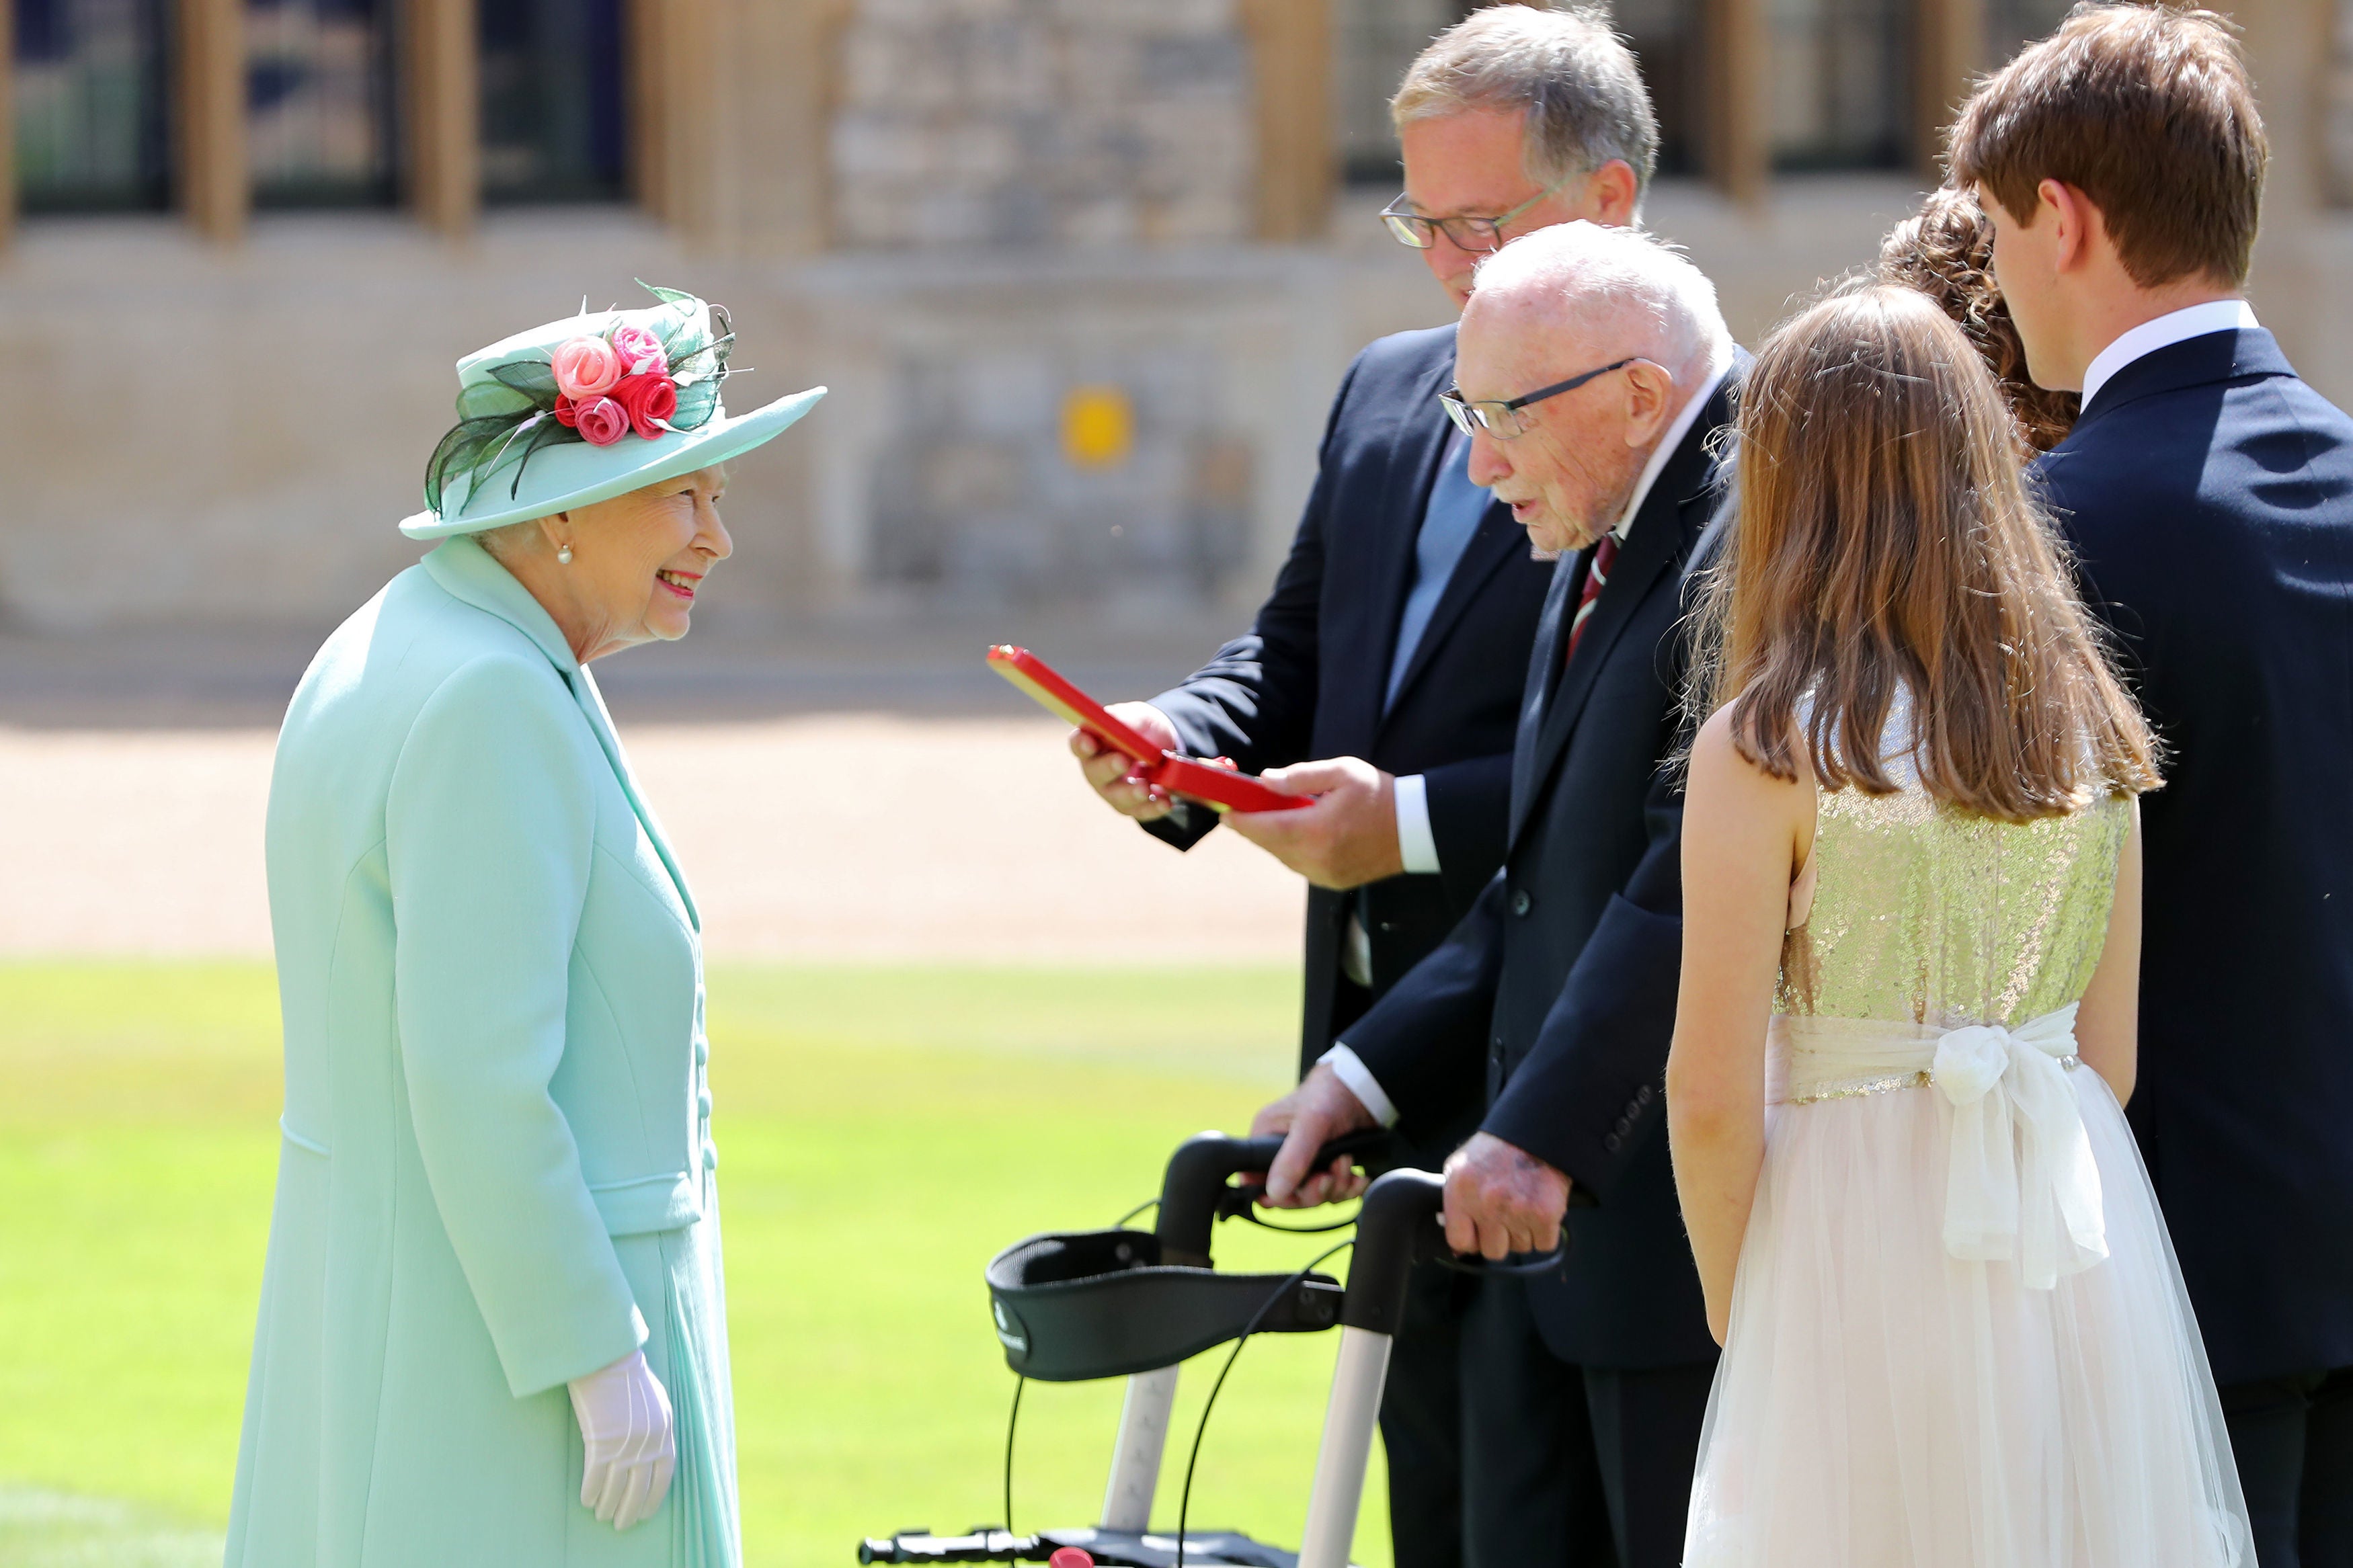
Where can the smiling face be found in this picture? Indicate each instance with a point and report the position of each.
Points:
(641, 557)
(637, 567)
(1566, 477)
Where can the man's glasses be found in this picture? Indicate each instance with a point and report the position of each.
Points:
(1476, 234)
(1505, 420)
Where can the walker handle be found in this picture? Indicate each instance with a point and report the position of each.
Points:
(1200, 1170)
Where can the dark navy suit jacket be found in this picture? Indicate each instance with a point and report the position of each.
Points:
(1308, 679)
(2209, 494)
(1563, 977)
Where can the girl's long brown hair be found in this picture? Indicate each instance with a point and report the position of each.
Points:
(1886, 541)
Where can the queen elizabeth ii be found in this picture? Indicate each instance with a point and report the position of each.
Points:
(492, 1325)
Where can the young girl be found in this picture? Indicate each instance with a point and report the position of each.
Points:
(1954, 1331)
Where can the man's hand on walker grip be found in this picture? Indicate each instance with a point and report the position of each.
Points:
(1108, 772)
(1501, 1199)
(1320, 1109)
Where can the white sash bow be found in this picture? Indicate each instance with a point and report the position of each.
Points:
(2023, 1183)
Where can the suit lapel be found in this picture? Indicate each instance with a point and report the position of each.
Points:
(1412, 472)
(1552, 627)
(1497, 542)
(1656, 543)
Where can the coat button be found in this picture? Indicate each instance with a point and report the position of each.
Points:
(710, 1157)
(1643, 1095)
(703, 1106)
(1625, 1125)
(1522, 903)
(1611, 1143)
(702, 1052)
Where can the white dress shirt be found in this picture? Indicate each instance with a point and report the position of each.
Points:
(2174, 327)
(1344, 1063)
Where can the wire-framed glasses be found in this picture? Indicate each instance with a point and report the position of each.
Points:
(1480, 233)
(1505, 420)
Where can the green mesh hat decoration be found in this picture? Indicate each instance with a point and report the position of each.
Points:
(588, 408)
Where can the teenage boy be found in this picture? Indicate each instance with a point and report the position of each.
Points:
(2209, 495)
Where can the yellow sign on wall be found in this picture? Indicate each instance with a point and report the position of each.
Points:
(1098, 427)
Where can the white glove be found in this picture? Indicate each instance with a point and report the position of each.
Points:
(625, 1421)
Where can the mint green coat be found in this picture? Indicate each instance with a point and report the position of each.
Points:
(496, 1169)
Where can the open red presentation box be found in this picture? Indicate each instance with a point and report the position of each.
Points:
(1194, 780)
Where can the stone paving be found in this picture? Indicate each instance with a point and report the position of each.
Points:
(827, 836)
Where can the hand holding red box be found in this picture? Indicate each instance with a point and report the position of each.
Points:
(1214, 784)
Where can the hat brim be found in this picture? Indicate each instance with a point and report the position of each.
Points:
(577, 474)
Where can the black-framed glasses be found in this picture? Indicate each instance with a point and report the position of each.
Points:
(1480, 234)
(1505, 420)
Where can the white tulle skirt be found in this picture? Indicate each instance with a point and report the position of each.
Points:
(1884, 1404)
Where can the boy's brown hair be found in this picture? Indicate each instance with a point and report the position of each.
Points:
(2146, 110)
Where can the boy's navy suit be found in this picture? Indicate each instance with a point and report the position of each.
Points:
(2209, 494)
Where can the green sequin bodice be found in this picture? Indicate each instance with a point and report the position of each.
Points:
(1929, 914)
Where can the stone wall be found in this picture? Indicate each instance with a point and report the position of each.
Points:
(1062, 373)
(1048, 123)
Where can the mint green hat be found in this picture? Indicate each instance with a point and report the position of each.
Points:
(537, 414)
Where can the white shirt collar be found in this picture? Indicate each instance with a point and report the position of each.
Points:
(2177, 326)
(1684, 419)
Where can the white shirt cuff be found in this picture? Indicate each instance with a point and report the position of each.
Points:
(1350, 1070)
(1416, 846)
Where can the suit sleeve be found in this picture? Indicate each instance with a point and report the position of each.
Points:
(1255, 701)
(1595, 1080)
(1470, 816)
(1416, 1038)
(489, 834)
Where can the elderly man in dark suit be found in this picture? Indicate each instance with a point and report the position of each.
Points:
(1387, 661)
(2209, 494)
(1596, 375)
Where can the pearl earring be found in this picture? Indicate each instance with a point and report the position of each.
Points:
(563, 556)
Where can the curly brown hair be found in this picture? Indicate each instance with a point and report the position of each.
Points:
(1946, 251)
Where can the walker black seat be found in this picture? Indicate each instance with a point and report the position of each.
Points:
(1100, 1304)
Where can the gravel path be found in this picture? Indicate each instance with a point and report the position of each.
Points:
(837, 837)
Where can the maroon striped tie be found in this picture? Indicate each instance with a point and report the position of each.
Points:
(1597, 573)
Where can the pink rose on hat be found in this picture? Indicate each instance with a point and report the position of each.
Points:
(650, 400)
(640, 351)
(586, 367)
(600, 421)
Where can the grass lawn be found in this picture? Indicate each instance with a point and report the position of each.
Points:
(883, 1131)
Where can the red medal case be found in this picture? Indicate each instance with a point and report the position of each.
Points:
(1215, 786)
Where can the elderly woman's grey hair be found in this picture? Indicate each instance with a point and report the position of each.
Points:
(1567, 71)
(503, 540)
(1627, 288)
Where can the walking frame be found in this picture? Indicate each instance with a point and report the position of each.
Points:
(1075, 1307)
